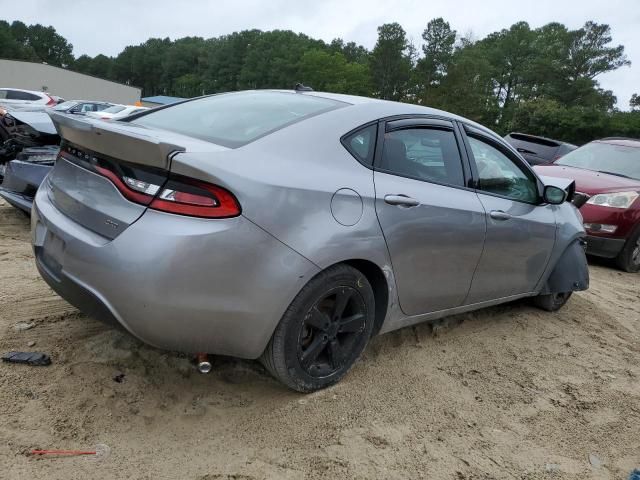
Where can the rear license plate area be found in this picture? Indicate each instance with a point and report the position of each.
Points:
(52, 252)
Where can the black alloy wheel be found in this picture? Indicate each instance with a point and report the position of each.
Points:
(330, 330)
(324, 330)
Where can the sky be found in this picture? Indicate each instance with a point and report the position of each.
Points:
(107, 26)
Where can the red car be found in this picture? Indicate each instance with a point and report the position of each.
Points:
(607, 175)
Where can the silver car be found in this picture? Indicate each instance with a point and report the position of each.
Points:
(292, 226)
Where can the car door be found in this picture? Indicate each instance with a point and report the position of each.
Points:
(434, 225)
(520, 228)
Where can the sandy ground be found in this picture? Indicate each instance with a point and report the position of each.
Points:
(508, 392)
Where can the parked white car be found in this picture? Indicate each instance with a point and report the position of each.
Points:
(16, 96)
(117, 111)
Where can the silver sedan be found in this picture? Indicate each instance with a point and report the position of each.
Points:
(291, 226)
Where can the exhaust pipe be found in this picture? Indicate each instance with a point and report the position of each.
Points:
(203, 363)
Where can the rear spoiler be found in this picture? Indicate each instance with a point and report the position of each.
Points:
(122, 141)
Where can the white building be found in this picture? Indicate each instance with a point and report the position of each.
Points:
(64, 83)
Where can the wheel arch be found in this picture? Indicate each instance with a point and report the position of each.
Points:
(378, 281)
(570, 272)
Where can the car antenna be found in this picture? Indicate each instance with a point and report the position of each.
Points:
(302, 88)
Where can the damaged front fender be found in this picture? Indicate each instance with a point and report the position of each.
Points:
(571, 272)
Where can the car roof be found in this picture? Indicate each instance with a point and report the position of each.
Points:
(621, 141)
(388, 108)
(23, 90)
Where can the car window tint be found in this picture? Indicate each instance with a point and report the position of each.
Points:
(113, 109)
(428, 154)
(361, 144)
(3, 94)
(64, 106)
(18, 95)
(498, 174)
(235, 119)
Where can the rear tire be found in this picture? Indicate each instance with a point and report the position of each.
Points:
(552, 302)
(629, 258)
(324, 330)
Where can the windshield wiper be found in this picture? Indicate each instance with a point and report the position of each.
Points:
(614, 173)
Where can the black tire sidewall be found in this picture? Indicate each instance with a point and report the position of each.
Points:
(624, 258)
(287, 356)
(550, 302)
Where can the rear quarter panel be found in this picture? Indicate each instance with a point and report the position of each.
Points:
(287, 182)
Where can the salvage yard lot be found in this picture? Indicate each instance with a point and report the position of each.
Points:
(507, 392)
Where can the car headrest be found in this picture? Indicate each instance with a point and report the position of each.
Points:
(394, 152)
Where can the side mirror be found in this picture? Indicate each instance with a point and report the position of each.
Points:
(554, 195)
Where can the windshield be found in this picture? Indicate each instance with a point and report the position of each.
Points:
(65, 105)
(605, 157)
(235, 119)
(114, 109)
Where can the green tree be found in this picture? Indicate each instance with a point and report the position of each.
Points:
(11, 48)
(589, 53)
(391, 62)
(46, 43)
(439, 40)
(272, 60)
(331, 72)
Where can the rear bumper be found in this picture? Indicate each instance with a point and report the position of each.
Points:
(604, 247)
(178, 283)
(17, 200)
(73, 292)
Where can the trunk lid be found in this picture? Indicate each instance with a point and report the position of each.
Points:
(97, 157)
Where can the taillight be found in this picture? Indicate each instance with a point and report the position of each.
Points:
(129, 190)
(51, 101)
(187, 196)
(150, 186)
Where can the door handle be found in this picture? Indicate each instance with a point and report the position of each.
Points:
(499, 215)
(401, 200)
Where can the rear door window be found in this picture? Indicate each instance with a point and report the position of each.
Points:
(429, 154)
(235, 119)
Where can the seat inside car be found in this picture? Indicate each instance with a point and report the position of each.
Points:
(394, 157)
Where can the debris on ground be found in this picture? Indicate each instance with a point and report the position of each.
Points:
(100, 451)
(119, 378)
(63, 452)
(37, 359)
(22, 326)
(594, 460)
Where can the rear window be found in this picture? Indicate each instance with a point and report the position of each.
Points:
(235, 119)
(65, 106)
(609, 158)
(114, 109)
